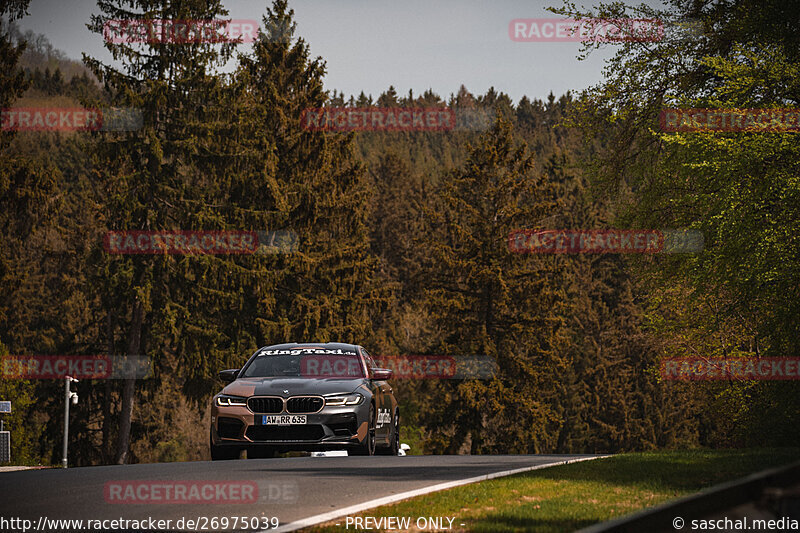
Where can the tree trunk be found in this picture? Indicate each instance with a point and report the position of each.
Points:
(105, 447)
(476, 433)
(134, 342)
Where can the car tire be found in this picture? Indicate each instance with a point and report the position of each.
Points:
(394, 446)
(261, 452)
(368, 446)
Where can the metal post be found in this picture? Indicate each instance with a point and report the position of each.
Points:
(66, 420)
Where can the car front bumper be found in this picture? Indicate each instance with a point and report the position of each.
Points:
(334, 427)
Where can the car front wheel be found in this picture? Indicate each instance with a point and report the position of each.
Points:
(368, 446)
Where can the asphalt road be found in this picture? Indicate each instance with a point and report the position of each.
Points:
(284, 489)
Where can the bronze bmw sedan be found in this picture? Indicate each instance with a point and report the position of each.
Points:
(309, 397)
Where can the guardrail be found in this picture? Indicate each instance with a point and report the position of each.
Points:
(774, 493)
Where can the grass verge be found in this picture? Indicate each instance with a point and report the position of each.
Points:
(569, 497)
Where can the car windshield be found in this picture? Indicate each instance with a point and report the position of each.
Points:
(305, 365)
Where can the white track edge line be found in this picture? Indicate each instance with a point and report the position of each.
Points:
(331, 515)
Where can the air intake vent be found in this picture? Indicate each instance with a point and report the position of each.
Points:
(229, 428)
(285, 433)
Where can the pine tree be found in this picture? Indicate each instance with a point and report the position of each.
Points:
(309, 182)
(148, 174)
(26, 202)
(493, 302)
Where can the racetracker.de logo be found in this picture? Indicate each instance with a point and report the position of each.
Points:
(735, 120)
(199, 242)
(171, 31)
(70, 119)
(419, 366)
(180, 492)
(737, 368)
(568, 241)
(56, 366)
(551, 30)
(75, 366)
(378, 119)
(439, 366)
(331, 366)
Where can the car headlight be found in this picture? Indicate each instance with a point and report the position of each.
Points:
(344, 399)
(223, 400)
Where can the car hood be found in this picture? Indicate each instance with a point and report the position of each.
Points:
(295, 386)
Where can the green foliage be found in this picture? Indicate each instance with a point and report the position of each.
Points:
(23, 436)
(403, 239)
(488, 300)
(739, 189)
(170, 451)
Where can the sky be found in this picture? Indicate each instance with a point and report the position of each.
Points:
(371, 44)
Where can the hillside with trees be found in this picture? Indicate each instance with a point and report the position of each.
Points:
(404, 240)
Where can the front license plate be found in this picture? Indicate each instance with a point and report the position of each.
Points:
(283, 420)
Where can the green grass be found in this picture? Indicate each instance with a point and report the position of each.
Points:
(569, 497)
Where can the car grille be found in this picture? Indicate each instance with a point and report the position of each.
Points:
(229, 428)
(304, 404)
(285, 433)
(265, 405)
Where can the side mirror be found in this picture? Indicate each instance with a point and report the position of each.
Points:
(381, 374)
(229, 375)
